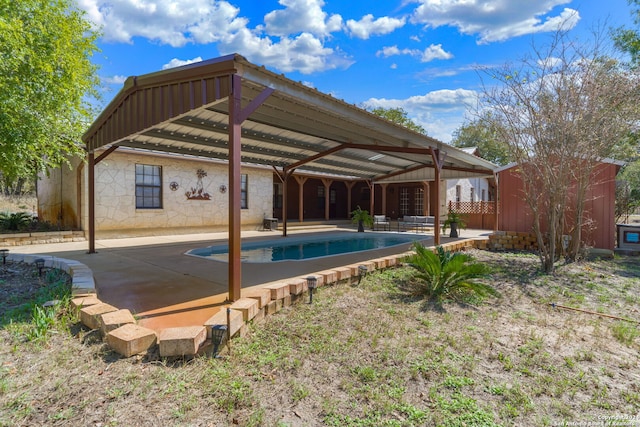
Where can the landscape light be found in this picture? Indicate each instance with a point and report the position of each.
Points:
(362, 271)
(40, 264)
(218, 337)
(4, 253)
(312, 283)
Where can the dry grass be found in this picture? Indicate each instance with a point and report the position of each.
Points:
(18, 204)
(365, 355)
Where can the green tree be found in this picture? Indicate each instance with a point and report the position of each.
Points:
(628, 190)
(399, 116)
(628, 40)
(482, 133)
(562, 110)
(46, 77)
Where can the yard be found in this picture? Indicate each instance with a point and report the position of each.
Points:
(363, 355)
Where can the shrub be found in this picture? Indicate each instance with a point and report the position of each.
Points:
(447, 275)
(15, 221)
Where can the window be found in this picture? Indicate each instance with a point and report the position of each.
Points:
(484, 195)
(244, 185)
(277, 195)
(148, 187)
(321, 197)
(419, 201)
(458, 193)
(473, 194)
(404, 201)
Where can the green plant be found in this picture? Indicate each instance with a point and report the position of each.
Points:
(453, 218)
(361, 217)
(625, 332)
(15, 221)
(448, 275)
(43, 319)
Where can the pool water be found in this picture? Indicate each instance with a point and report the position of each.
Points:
(304, 248)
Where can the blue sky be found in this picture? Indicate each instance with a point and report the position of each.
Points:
(421, 55)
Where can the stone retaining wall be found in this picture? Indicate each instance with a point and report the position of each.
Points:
(41, 237)
(512, 240)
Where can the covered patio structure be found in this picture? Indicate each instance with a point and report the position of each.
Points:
(230, 109)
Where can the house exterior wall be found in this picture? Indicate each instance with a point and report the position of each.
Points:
(58, 195)
(115, 201)
(478, 184)
(599, 230)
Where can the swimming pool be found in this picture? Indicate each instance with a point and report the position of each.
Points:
(303, 248)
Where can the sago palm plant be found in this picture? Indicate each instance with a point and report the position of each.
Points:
(447, 275)
(15, 221)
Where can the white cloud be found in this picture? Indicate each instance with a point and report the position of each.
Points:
(496, 20)
(175, 62)
(301, 16)
(427, 55)
(180, 22)
(304, 53)
(114, 80)
(435, 52)
(439, 112)
(367, 26)
(550, 62)
(388, 51)
(175, 23)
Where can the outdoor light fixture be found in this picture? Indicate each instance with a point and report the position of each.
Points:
(218, 337)
(40, 264)
(5, 253)
(362, 271)
(312, 283)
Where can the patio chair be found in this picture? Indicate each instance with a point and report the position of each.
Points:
(381, 220)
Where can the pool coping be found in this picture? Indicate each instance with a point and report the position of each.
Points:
(344, 234)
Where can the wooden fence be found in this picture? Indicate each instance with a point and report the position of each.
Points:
(478, 215)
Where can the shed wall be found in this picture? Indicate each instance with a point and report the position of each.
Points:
(599, 229)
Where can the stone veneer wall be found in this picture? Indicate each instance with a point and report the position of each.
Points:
(115, 194)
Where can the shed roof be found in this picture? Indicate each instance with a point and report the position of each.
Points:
(185, 111)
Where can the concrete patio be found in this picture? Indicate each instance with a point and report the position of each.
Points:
(164, 288)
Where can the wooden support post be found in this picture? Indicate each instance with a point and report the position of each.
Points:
(372, 191)
(438, 161)
(327, 186)
(301, 180)
(349, 185)
(91, 201)
(384, 199)
(235, 153)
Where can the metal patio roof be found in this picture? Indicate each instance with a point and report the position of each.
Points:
(185, 111)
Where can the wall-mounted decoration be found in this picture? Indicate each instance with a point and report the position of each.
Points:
(197, 192)
(223, 188)
(174, 185)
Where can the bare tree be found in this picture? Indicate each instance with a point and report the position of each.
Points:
(561, 110)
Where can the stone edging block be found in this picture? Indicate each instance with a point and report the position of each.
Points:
(81, 276)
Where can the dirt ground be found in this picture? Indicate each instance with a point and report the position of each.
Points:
(363, 354)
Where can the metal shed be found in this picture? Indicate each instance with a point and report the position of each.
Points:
(228, 108)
